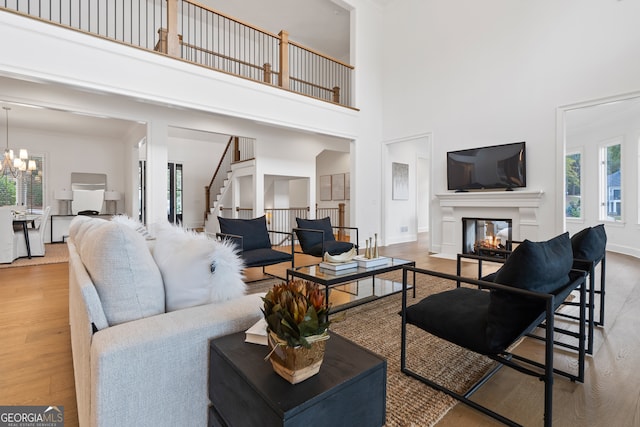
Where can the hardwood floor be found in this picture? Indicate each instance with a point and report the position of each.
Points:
(35, 358)
(36, 367)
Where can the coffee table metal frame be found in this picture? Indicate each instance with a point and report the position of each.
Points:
(330, 279)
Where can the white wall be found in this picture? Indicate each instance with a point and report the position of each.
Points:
(424, 193)
(483, 73)
(369, 29)
(298, 193)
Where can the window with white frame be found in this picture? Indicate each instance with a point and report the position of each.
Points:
(611, 180)
(573, 185)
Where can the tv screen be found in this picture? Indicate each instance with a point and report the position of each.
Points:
(497, 166)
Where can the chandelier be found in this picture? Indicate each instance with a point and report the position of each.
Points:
(13, 167)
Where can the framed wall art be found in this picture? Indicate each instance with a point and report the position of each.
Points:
(347, 186)
(325, 187)
(399, 181)
(337, 186)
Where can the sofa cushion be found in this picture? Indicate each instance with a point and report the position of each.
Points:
(590, 243)
(310, 239)
(253, 231)
(121, 267)
(195, 269)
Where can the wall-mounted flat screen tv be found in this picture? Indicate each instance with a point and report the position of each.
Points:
(493, 167)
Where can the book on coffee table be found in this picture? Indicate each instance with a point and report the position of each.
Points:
(371, 262)
(338, 266)
(257, 334)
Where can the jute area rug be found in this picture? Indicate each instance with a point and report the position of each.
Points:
(376, 326)
(54, 253)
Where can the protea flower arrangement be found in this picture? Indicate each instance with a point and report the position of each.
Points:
(295, 311)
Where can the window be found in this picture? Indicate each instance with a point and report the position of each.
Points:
(174, 193)
(573, 185)
(611, 181)
(26, 190)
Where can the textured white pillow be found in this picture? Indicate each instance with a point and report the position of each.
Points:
(122, 269)
(195, 269)
(133, 224)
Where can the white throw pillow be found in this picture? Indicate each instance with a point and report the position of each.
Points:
(122, 269)
(133, 224)
(195, 269)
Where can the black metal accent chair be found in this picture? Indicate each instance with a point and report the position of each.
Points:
(316, 237)
(590, 250)
(489, 317)
(251, 237)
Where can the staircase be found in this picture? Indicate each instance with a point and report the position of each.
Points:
(239, 153)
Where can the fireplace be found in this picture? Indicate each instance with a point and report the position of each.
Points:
(521, 207)
(486, 236)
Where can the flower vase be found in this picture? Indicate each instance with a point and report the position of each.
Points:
(296, 364)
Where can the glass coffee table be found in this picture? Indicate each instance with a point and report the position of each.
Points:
(356, 286)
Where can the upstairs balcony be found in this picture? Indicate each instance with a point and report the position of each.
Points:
(197, 34)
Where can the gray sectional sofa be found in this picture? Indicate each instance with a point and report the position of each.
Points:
(134, 363)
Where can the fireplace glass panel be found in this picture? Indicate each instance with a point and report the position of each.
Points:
(486, 236)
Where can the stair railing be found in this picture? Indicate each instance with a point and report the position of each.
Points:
(238, 149)
(220, 174)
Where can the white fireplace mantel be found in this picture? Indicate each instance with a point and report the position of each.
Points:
(507, 199)
(519, 206)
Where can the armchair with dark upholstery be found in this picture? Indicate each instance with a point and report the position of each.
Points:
(489, 317)
(316, 237)
(589, 251)
(251, 237)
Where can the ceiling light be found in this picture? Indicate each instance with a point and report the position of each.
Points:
(12, 166)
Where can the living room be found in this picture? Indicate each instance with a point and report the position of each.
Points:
(471, 76)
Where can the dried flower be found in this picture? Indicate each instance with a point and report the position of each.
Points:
(296, 310)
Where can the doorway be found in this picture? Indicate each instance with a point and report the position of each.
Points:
(404, 218)
(174, 193)
(599, 151)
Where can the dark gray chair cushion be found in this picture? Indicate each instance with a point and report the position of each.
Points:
(590, 243)
(253, 231)
(458, 315)
(264, 256)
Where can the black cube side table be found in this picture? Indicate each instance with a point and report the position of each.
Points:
(349, 390)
